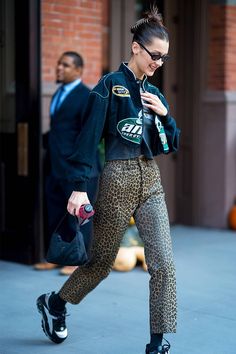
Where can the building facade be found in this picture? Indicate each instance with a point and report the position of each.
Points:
(199, 83)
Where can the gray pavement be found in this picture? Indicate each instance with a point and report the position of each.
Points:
(114, 317)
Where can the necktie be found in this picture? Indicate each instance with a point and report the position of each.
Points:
(58, 98)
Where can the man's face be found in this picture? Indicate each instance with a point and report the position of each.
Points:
(66, 71)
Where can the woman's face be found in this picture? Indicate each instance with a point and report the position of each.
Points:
(143, 61)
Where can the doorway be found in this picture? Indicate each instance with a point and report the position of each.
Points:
(20, 131)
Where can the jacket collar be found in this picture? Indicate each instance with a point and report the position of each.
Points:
(130, 74)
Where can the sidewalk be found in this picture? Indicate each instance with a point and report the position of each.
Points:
(113, 319)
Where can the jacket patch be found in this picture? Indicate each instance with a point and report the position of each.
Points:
(131, 129)
(120, 91)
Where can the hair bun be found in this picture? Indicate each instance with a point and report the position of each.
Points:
(154, 15)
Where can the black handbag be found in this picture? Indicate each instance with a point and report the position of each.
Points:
(67, 246)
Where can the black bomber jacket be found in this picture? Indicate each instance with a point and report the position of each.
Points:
(113, 108)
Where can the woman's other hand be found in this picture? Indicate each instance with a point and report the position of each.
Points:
(75, 201)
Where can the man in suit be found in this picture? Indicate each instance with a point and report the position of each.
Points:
(67, 118)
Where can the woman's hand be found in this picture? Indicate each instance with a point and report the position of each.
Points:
(154, 103)
(76, 200)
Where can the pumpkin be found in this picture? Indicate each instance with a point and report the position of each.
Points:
(139, 251)
(131, 237)
(125, 260)
(132, 222)
(144, 265)
(232, 216)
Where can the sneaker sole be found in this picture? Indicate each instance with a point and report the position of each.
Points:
(45, 325)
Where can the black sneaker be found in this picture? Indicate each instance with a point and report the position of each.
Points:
(53, 323)
(162, 349)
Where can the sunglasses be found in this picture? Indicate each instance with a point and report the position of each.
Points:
(155, 57)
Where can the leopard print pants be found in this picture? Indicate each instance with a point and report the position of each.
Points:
(131, 187)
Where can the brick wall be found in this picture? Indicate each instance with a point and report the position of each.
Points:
(230, 53)
(222, 47)
(79, 25)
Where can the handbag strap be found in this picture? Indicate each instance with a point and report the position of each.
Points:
(63, 218)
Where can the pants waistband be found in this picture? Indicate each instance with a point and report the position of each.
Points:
(131, 161)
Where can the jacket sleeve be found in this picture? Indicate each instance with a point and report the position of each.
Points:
(83, 157)
(171, 130)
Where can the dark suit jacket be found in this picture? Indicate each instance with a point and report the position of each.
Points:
(66, 125)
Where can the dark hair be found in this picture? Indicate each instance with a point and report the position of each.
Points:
(78, 60)
(151, 25)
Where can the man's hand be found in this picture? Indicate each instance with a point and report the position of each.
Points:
(76, 200)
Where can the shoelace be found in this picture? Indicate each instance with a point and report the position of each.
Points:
(61, 316)
(166, 347)
(60, 321)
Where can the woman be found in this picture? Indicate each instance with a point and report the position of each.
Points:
(133, 117)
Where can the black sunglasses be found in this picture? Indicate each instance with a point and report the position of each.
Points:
(155, 57)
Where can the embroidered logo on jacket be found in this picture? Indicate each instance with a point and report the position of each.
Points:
(120, 91)
(131, 129)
